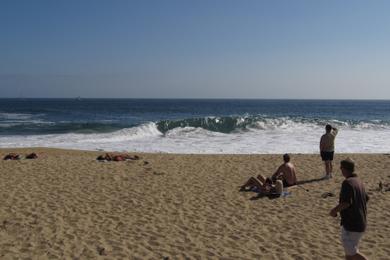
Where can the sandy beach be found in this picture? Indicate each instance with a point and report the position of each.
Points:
(67, 205)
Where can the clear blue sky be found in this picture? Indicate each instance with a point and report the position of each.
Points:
(195, 49)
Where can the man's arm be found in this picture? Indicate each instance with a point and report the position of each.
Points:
(345, 199)
(276, 174)
(341, 206)
(334, 131)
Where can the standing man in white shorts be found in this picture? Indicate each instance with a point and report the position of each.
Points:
(353, 210)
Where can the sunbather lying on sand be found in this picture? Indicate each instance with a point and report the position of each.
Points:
(15, 156)
(116, 157)
(12, 156)
(263, 185)
(32, 156)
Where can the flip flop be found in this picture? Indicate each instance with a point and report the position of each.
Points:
(327, 194)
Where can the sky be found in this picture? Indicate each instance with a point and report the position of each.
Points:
(195, 49)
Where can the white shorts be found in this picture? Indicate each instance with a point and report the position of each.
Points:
(350, 241)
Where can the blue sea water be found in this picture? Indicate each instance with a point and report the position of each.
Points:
(193, 125)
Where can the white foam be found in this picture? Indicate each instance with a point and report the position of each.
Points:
(15, 116)
(15, 119)
(280, 138)
(11, 123)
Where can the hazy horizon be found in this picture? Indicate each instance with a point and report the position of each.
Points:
(195, 49)
(185, 98)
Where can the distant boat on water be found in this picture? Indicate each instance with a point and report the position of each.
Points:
(20, 96)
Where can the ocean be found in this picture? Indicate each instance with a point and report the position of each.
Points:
(199, 126)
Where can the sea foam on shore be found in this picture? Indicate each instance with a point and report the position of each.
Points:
(273, 136)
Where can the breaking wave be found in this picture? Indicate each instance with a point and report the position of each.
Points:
(244, 135)
(242, 123)
(23, 124)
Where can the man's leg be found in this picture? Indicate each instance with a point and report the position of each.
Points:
(327, 168)
(358, 256)
(257, 184)
(350, 241)
(249, 183)
(330, 168)
(261, 178)
(252, 182)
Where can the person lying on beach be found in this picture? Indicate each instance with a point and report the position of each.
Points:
(32, 156)
(116, 157)
(12, 156)
(15, 156)
(286, 172)
(263, 185)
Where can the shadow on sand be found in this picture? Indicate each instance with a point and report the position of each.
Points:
(262, 195)
(312, 180)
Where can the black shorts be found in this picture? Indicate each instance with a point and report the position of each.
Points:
(327, 156)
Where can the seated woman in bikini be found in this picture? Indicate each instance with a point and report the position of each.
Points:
(263, 185)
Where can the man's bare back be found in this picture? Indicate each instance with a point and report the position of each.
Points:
(286, 172)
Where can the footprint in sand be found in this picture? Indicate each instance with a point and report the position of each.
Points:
(101, 250)
(158, 173)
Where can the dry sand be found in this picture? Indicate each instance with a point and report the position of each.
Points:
(66, 205)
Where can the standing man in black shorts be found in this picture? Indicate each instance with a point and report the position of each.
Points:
(327, 149)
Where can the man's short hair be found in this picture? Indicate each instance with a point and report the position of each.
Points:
(328, 128)
(348, 164)
(286, 158)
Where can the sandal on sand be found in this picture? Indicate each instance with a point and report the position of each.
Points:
(327, 194)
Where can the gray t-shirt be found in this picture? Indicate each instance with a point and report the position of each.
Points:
(354, 218)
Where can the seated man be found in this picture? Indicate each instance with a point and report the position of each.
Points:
(286, 172)
(263, 185)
